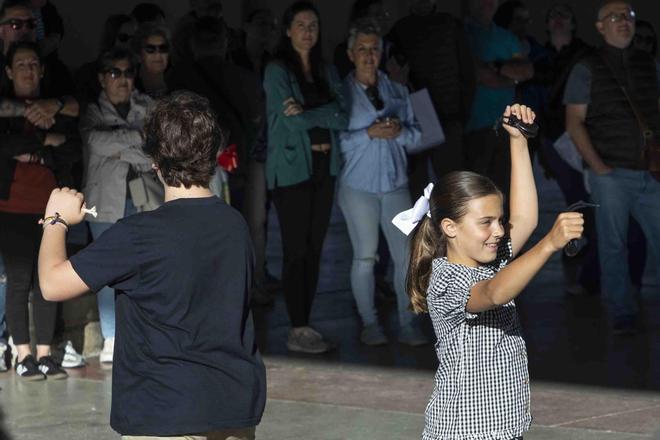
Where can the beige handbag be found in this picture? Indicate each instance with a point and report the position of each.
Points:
(147, 191)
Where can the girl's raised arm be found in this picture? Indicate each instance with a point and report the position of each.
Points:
(523, 206)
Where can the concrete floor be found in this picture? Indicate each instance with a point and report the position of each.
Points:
(586, 383)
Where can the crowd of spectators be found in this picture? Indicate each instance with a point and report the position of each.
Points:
(302, 131)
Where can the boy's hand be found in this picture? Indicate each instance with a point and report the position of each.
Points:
(567, 227)
(523, 113)
(69, 203)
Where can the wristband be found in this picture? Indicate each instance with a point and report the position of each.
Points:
(54, 220)
(60, 105)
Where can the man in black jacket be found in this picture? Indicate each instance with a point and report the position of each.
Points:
(434, 46)
(608, 97)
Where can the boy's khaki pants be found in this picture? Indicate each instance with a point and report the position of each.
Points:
(227, 434)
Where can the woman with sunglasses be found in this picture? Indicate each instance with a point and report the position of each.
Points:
(152, 45)
(111, 129)
(32, 163)
(304, 111)
(373, 183)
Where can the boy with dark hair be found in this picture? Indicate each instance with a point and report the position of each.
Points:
(186, 361)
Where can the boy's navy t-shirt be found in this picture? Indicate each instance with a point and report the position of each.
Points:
(185, 358)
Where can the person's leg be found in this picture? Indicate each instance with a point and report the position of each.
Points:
(636, 252)
(393, 203)
(646, 210)
(612, 193)
(323, 187)
(254, 211)
(362, 213)
(106, 296)
(3, 292)
(293, 205)
(17, 248)
(449, 156)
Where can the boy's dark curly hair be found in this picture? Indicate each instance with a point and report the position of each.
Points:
(182, 136)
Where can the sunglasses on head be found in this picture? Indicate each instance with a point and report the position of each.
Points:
(116, 73)
(153, 48)
(123, 38)
(17, 23)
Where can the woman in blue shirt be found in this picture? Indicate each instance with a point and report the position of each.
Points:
(373, 184)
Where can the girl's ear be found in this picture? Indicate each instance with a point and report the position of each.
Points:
(448, 227)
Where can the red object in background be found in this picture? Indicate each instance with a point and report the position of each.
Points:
(228, 159)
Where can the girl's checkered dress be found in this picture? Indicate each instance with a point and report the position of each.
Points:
(482, 384)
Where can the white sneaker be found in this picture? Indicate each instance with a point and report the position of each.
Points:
(108, 350)
(72, 359)
(3, 360)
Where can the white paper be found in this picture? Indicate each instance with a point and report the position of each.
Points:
(432, 133)
(568, 151)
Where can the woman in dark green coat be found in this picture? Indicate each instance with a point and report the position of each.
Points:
(305, 112)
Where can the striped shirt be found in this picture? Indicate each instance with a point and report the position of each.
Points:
(482, 384)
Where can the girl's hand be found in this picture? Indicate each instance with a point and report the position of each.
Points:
(523, 113)
(568, 226)
(69, 203)
(292, 107)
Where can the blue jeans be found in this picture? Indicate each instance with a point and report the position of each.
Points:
(3, 296)
(364, 212)
(620, 194)
(106, 296)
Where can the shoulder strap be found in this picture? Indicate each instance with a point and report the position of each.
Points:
(646, 131)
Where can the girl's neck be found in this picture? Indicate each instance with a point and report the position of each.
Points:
(560, 39)
(26, 94)
(367, 78)
(456, 257)
(152, 81)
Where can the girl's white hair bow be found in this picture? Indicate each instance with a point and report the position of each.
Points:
(407, 220)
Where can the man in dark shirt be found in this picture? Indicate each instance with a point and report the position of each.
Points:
(607, 133)
(185, 359)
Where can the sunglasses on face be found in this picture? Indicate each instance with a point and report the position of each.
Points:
(123, 38)
(17, 23)
(617, 17)
(153, 48)
(116, 73)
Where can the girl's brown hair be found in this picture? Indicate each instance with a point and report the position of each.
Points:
(449, 199)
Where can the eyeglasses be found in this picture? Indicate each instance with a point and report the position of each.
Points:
(123, 38)
(374, 97)
(153, 48)
(616, 17)
(17, 23)
(116, 73)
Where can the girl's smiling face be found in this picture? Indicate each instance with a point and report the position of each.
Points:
(474, 239)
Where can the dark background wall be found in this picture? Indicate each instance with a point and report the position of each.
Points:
(84, 19)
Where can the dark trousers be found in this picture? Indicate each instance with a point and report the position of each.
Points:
(488, 154)
(444, 158)
(20, 237)
(303, 211)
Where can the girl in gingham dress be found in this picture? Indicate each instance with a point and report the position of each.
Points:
(461, 272)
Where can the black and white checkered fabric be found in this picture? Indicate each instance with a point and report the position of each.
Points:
(482, 383)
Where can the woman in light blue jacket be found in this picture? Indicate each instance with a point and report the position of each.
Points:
(373, 183)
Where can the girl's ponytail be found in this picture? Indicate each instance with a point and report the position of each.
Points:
(426, 244)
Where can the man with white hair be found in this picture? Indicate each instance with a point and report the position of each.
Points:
(609, 96)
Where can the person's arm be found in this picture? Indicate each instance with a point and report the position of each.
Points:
(411, 132)
(57, 278)
(67, 106)
(509, 282)
(103, 140)
(278, 91)
(10, 108)
(523, 205)
(575, 125)
(518, 68)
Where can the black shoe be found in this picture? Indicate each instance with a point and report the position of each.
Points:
(626, 325)
(51, 369)
(28, 369)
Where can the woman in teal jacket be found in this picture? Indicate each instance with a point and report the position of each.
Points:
(305, 112)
